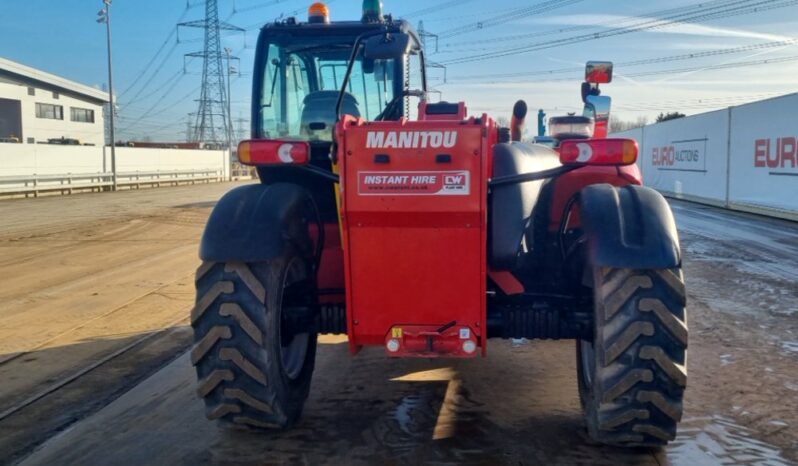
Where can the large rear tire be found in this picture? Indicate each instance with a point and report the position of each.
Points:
(254, 343)
(632, 375)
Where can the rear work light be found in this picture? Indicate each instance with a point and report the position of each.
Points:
(271, 152)
(598, 152)
(571, 127)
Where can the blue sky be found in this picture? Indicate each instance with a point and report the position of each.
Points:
(62, 37)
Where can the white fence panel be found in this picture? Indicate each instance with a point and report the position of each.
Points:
(743, 158)
(129, 159)
(764, 155)
(47, 159)
(30, 169)
(687, 157)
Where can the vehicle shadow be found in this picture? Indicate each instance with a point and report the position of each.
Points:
(48, 390)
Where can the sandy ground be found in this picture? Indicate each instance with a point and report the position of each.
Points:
(93, 291)
(96, 290)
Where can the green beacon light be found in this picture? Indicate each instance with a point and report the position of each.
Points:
(372, 11)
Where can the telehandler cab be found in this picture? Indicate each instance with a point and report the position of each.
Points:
(413, 226)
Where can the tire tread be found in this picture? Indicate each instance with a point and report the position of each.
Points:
(640, 348)
(230, 352)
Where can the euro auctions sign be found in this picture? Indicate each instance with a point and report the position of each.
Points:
(763, 158)
(778, 155)
(684, 155)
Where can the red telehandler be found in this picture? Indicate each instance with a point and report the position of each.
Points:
(416, 227)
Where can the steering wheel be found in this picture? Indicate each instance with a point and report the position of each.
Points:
(390, 108)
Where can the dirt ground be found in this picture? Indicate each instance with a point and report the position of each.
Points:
(95, 297)
(93, 293)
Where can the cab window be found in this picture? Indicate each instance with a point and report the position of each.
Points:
(300, 84)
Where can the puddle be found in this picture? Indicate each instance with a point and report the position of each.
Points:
(409, 410)
(791, 346)
(714, 441)
(726, 359)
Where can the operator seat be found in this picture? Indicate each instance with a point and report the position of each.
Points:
(319, 107)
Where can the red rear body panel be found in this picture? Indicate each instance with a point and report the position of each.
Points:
(331, 269)
(568, 185)
(413, 212)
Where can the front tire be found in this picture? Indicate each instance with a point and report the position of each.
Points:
(632, 375)
(255, 345)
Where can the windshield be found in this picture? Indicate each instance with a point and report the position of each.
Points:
(300, 87)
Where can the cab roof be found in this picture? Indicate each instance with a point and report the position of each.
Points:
(339, 28)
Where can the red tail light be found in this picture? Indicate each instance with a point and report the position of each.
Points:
(273, 152)
(598, 152)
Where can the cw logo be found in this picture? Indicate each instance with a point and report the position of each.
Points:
(454, 180)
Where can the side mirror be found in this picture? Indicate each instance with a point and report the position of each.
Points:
(598, 108)
(388, 46)
(598, 72)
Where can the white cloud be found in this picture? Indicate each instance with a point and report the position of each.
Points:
(673, 28)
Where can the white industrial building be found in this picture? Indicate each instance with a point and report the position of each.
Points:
(36, 106)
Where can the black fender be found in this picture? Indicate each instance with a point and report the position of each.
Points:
(255, 223)
(629, 227)
(512, 206)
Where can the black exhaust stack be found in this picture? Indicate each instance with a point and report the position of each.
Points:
(517, 122)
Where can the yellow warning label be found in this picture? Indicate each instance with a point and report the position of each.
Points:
(396, 332)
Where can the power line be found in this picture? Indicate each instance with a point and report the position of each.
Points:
(722, 66)
(648, 21)
(149, 64)
(511, 15)
(155, 56)
(155, 73)
(449, 19)
(731, 9)
(258, 6)
(434, 8)
(684, 104)
(150, 112)
(160, 101)
(282, 15)
(159, 124)
(702, 103)
(645, 61)
(177, 76)
(606, 24)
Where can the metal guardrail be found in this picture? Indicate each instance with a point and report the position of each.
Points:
(245, 173)
(33, 185)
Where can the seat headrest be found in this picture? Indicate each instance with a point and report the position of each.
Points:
(319, 107)
(319, 96)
